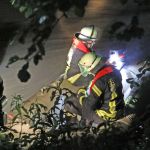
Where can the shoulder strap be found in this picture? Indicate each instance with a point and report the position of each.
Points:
(100, 74)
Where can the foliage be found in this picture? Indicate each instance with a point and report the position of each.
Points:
(50, 131)
(42, 18)
(139, 97)
(125, 32)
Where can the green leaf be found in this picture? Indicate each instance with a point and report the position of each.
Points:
(24, 109)
(22, 8)
(15, 3)
(14, 118)
(28, 13)
(27, 116)
(18, 109)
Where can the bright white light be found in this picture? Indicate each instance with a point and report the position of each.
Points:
(114, 59)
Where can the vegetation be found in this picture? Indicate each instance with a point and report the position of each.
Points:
(51, 133)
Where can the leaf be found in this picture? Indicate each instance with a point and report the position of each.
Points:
(31, 50)
(18, 109)
(14, 118)
(134, 21)
(24, 75)
(134, 85)
(13, 59)
(36, 59)
(27, 116)
(129, 80)
(42, 106)
(64, 5)
(24, 109)
(13, 39)
(79, 11)
(11, 136)
(117, 25)
(22, 8)
(53, 95)
(15, 3)
(61, 116)
(41, 48)
(46, 32)
(29, 12)
(26, 66)
(140, 69)
(148, 69)
(144, 71)
(139, 75)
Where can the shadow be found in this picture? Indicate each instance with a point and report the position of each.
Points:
(7, 31)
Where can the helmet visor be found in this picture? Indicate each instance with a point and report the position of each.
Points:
(84, 70)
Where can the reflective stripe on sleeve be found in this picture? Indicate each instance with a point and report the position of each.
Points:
(81, 90)
(80, 99)
(74, 78)
(96, 90)
(103, 114)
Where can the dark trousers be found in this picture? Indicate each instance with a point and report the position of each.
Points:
(84, 112)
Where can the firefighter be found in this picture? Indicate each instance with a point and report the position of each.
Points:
(104, 100)
(82, 44)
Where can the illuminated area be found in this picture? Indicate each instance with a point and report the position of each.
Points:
(116, 59)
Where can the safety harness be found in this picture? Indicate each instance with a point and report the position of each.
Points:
(100, 74)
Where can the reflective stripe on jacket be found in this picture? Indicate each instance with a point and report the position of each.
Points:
(75, 53)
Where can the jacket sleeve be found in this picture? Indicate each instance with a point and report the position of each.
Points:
(91, 100)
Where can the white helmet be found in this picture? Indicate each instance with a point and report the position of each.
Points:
(88, 33)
